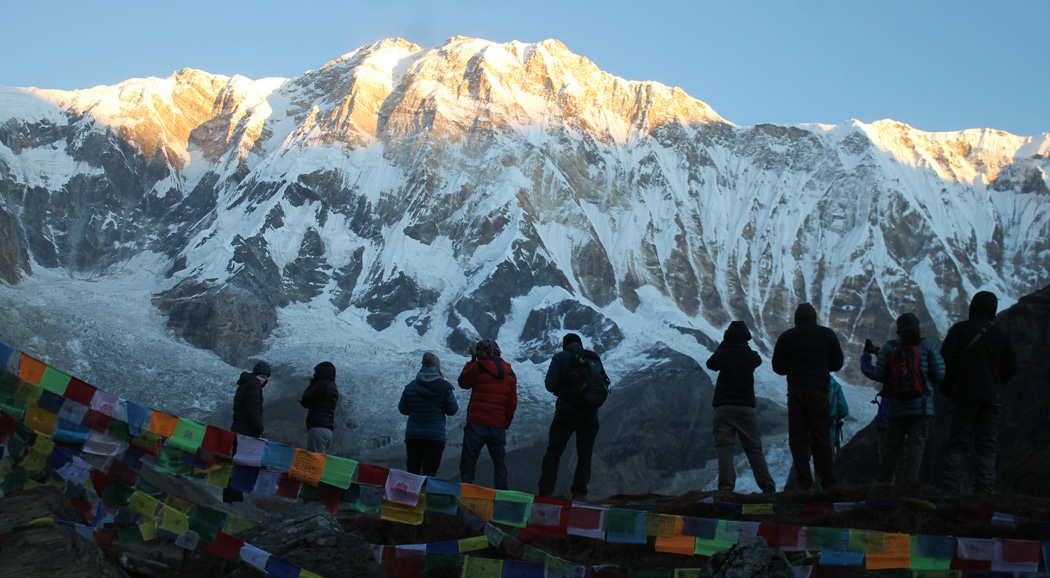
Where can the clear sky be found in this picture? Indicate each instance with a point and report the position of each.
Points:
(937, 65)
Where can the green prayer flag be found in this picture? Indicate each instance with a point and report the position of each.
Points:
(54, 380)
(338, 472)
(920, 562)
(187, 436)
(620, 521)
(170, 462)
(706, 547)
(433, 562)
(858, 541)
(117, 494)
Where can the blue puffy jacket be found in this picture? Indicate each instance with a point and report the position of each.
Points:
(932, 369)
(426, 401)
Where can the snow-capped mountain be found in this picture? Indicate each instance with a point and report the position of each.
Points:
(402, 199)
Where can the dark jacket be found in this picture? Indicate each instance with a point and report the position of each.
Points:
(248, 406)
(807, 353)
(932, 370)
(735, 363)
(495, 391)
(426, 401)
(978, 373)
(559, 378)
(321, 397)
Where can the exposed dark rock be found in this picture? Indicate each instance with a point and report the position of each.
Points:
(309, 537)
(14, 260)
(389, 299)
(749, 558)
(544, 329)
(346, 280)
(306, 276)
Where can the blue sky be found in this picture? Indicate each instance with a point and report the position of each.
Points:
(936, 65)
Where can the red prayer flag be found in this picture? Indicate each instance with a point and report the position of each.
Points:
(287, 487)
(104, 537)
(374, 475)
(96, 420)
(8, 425)
(330, 497)
(218, 441)
(771, 533)
(226, 546)
(123, 474)
(560, 528)
(100, 480)
(79, 391)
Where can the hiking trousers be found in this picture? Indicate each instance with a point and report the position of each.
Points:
(474, 438)
(728, 423)
(905, 444)
(974, 425)
(318, 439)
(424, 456)
(809, 433)
(566, 423)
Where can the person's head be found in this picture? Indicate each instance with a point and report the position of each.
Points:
(262, 371)
(569, 340)
(487, 348)
(737, 332)
(324, 370)
(984, 305)
(908, 328)
(805, 314)
(430, 363)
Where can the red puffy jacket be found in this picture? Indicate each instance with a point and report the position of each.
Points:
(495, 391)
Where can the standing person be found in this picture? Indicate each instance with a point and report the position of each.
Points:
(248, 412)
(839, 410)
(426, 401)
(734, 413)
(908, 411)
(572, 414)
(493, 399)
(320, 398)
(807, 354)
(980, 359)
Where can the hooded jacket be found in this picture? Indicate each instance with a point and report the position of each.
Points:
(495, 391)
(321, 397)
(978, 373)
(248, 406)
(932, 370)
(426, 401)
(807, 353)
(735, 363)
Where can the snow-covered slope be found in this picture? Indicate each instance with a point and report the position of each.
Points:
(402, 199)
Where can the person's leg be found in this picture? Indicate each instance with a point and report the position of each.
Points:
(819, 415)
(586, 432)
(986, 435)
(414, 450)
(751, 442)
(318, 439)
(431, 456)
(725, 441)
(562, 428)
(895, 435)
(914, 447)
(468, 457)
(960, 440)
(798, 441)
(496, 439)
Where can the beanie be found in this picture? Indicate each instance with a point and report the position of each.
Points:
(571, 339)
(431, 361)
(262, 368)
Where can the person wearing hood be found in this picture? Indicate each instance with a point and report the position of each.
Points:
(320, 398)
(426, 401)
(734, 413)
(907, 417)
(248, 412)
(980, 358)
(493, 400)
(807, 354)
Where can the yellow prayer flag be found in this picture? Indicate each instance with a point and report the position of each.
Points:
(30, 484)
(396, 512)
(163, 424)
(175, 521)
(896, 553)
(180, 504)
(481, 568)
(144, 503)
(307, 467)
(28, 392)
(478, 499)
(220, 477)
(473, 544)
(757, 509)
(41, 421)
(876, 542)
(308, 574)
(43, 445)
(235, 525)
(148, 530)
(31, 370)
(33, 462)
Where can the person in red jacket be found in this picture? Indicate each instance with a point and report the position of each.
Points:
(493, 399)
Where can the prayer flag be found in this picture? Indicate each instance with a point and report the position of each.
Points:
(41, 421)
(685, 545)
(549, 516)
(254, 557)
(586, 521)
(267, 482)
(896, 553)
(1016, 556)
(373, 475)
(31, 369)
(436, 486)
(473, 544)
(235, 524)
(54, 380)
(482, 568)
(338, 471)
(249, 451)
(511, 508)
(174, 521)
(278, 456)
(225, 545)
(138, 416)
(79, 391)
(188, 435)
(307, 467)
(163, 424)
(519, 569)
(930, 559)
(477, 499)
(220, 478)
(403, 487)
(399, 512)
(288, 487)
(282, 569)
(218, 441)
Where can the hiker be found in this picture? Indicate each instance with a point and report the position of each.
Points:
(426, 401)
(908, 397)
(573, 413)
(248, 412)
(734, 413)
(320, 398)
(807, 354)
(493, 399)
(838, 407)
(980, 358)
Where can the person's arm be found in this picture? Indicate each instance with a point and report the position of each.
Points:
(780, 357)
(756, 360)
(717, 359)
(882, 366)
(1009, 363)
(512, 400)
(402, 406)
(309, 396)
(254, 407)
(837, 358)
(866, 366)
(934, 363)
(451, 405)
(469, 376)
(552, 381)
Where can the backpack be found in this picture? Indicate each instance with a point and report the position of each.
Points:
(588, 384)
(906, 379)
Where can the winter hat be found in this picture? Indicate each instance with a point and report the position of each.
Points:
(571, 339)
(488, 346)
(262, 368)
(431, 361)
(805, 313)
(984, 306)
(324, 370)
(737, 333)
(908, 327)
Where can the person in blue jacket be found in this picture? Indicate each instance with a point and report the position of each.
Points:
(426, 401)
(908, 418)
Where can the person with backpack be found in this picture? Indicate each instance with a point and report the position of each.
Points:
(493, 399)
(807, 354)
(578, 379)
(980, 358)
(734, 413)
(907, 366)
(320, 399)
(426, 401)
